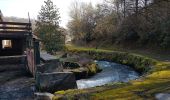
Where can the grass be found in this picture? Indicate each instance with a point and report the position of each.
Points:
(161, 56)
(145, 88)
(72, 47)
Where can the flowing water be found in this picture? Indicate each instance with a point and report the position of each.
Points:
(111, 72)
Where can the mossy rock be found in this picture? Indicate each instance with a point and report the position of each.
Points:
(86, 71)
(93, 69)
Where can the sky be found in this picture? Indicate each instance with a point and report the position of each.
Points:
(20, 8)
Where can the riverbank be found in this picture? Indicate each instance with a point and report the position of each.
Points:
(155, 54)
(156, 78)
(140, 63)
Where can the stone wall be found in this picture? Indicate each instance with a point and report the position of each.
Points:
(51, 82)
(50, 76)
(12, 59)
(49, 67)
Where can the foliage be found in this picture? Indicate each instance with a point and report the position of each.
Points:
(82, 21)
(140, 23)
(47, 27)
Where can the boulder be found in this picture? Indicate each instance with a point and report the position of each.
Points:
(70, 63)
(85, 71)
(79, 73)
(75, 62)
(51, 82)
(45, 57)
(49, 67)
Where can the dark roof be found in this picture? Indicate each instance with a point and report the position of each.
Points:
(15, 29)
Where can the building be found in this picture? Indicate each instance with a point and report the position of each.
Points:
(14, 38)
(17, 40)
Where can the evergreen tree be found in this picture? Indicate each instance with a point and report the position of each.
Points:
(47, 27)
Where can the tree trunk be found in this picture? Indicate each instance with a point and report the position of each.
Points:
(136, 6)
(124, 8)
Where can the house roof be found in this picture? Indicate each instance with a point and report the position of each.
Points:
(15, 29)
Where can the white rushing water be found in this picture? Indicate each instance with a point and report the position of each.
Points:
(111, 72)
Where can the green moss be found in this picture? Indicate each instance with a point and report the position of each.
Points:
(60, 92)
(93, 69)
(157, 82)
(69, 94)
(85, 71)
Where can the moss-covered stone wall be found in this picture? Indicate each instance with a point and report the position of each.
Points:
(140, 63)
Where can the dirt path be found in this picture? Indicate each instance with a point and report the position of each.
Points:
(16, 85)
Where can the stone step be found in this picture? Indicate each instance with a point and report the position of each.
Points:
(8, 60)
(11, 67)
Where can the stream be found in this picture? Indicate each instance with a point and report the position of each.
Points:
(111, 72)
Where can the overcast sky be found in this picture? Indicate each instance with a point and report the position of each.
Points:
(20, 8)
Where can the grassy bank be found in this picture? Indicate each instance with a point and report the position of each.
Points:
(156, 80)
(161, 55)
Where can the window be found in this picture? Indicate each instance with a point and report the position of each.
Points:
(6, 44)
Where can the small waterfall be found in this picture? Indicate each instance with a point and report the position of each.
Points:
(111, 72)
